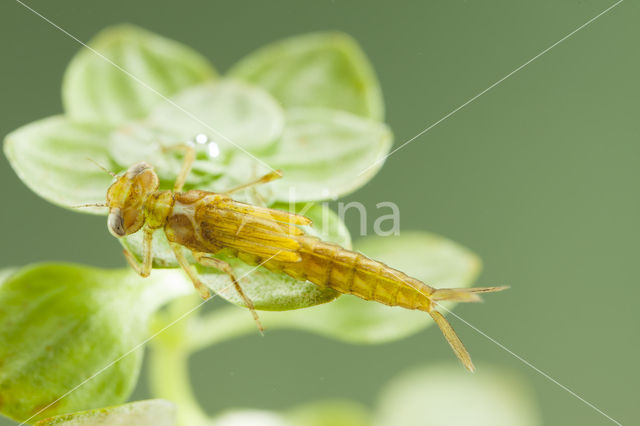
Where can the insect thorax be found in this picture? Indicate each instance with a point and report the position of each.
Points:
(157, 208)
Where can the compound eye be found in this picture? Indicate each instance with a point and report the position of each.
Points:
(115, 223)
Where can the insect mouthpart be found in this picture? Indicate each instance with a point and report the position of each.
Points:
(115, 223)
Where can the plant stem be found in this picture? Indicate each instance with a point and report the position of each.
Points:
(218, 326)
(169, 379)
(169, 362)
(170, 351)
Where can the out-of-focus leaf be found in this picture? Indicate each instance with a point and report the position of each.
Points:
(330, 413)
(433, 259)
(325, 154)
(5, 273)
(52, 157)
(250, 418)
(154, 412)
(445, 395)
(326, 70)
(325, 413)
(65, 325)
(267, 290)
(125, 72)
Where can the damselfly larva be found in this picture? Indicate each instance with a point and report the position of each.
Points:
(206, 223)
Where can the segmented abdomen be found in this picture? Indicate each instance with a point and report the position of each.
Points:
(331, 266)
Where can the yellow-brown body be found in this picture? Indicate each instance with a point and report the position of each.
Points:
(191, 222)
(348, 272)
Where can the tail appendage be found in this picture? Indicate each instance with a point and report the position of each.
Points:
(457, 295)
(462, 294)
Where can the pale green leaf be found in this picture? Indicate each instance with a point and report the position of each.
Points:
(433, 259)
(234, 117)
(154, 412)
(62, 324)
(326, 70)
(138, 141)
(325, 154)
(125, 72)
(52, 157)
(267, 290)
(445, 395)
(233, 114)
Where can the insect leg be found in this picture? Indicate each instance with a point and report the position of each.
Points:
(145, 269)
(257, 198)
(277, 174)
(223, 266)
(189, 158)
(82, 206)
(193, 275)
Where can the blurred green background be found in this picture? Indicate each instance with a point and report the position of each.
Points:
(538, 176)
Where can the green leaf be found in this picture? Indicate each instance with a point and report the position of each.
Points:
(268, 290)
(98, 85)
(326, 70)
(433, 259)
(326, 154)
(330, 413)
(70, 336)
(235, 117)
(153, 412)
(445, 394)
(138, 141)
(51, 156)
(5, 273)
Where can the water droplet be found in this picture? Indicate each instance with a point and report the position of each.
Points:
(213, 149)
(201, 138)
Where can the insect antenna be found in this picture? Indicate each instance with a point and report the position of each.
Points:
(102, 167)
